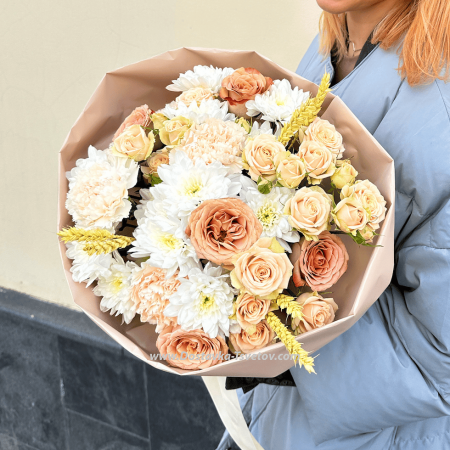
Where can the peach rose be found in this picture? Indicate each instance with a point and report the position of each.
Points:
(172, 131)
(290, 169)
(155, 160)
(243, 85)
(219, 229)
(191, 350)
(317, 312)
(309, 211)
(370, 198)
(319, 264)
(250, 310)
(325, 133)
(318, 159)
(134, 143)
(350, 216)
(345, 174)
(140, 116)
(195, 95)
(244, 342)
(258, 156)
(264, 270)
(150, 292)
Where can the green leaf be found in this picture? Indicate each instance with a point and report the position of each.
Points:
(154, 179)
(264, 186)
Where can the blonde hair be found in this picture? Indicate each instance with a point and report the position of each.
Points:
(424, 24)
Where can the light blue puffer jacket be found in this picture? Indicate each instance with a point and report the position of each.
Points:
(385, 383)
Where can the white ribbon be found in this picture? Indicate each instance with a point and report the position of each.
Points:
(227, 405)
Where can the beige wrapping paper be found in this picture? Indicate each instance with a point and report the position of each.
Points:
(370, 269)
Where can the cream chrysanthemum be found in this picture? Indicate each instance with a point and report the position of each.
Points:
(268, 208)
(278, 103)
(203, 300)
(162, 238)
(150, 292)
(115, 288)
(201, 76)
(186, 184)
(146, 197)
(86, 268)
(215, 140)
(199, 113)
(98, 189)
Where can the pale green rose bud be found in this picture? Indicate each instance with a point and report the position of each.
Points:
(345, 174)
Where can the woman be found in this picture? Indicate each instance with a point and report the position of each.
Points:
(385, 383)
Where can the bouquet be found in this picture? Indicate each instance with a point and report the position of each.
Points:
(218, 226)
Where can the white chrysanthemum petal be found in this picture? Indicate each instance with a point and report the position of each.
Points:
(98, 189)
(268, 208)
(87, 268)
(278, 103)
(163, 240)
(188, 183)
(208, 109)
(115, 288)
(258, 129)
(201, 76)
(203, 300)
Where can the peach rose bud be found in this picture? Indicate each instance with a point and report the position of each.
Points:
(140, 116)
(319, 264)
(220, 229)
(309, 211)
(290, 169)
(371, 199)
(195, 95)
(258, 157)
(345, 174)
(323, 132)
(317, 312)
(250, 310)
(318, 159)
(264, 270)
(245, 342)
(172, 131)
(243, 85)
(134, 143)
(350, 216)
(192, 350)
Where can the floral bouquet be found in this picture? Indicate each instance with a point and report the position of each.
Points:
(236, 213)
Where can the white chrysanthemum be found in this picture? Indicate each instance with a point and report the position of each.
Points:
(98, 189)
(208, 109)
(268, 208)
(115, 288)
(87, 268)
(216, 140)
(278, 103)
(202, 76)
(203, 300)
(162, 238)
(186, 184)
(146, 196)
(258, 129)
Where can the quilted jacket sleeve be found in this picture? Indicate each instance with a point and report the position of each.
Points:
(393, 366)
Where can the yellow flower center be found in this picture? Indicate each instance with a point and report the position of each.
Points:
(207, 302)
(117, 283)
(268, 215)
(170, 241)
(192, 188)
(281, 102)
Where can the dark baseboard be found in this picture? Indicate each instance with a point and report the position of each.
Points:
(57, 319)
(66, 385)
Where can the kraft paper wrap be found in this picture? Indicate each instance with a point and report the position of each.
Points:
(369, 270)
